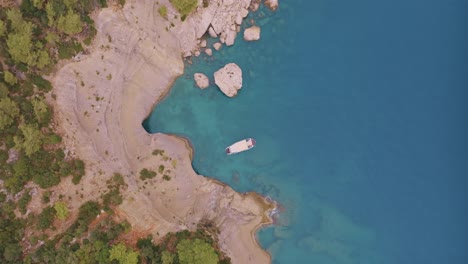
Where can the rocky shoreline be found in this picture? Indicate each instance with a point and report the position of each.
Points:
(103, 99)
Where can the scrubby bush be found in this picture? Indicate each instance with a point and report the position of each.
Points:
(184, 7)
(163, 11)
(147, 174)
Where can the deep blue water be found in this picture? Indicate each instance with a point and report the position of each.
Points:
(360, 115)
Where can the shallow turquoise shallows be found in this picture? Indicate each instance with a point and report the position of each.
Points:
(360, 116)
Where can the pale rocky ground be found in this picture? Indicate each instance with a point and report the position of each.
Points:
(102, 101)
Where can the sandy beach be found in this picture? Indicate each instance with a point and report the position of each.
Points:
(101, 102)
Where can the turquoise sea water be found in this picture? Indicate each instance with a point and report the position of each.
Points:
(360, 115)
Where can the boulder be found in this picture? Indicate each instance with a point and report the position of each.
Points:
(209, 52)
(252, 33)
(272, 4)
(231, 37)
(201, 80)
(239, 19)
(212, 33)
(244, 12)
(203, 43)
(217, 46)
(229, 79)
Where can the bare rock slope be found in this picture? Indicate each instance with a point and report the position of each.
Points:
(101, 103)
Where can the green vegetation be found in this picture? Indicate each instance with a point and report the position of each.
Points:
(163, 11)
(30, 35)
(61, 210)
(196, 251)
(147, 174)
(158, 152)
(24, 201)
(93, 248)
(122, 254)
(113, 197)
(184, 7)
(184, 248)
(161, 169)
(46, 218)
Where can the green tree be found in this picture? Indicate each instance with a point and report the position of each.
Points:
(12, 253)
(120, 253)
(196, 252)
(16, 19)
(3, 28)
(50, 13)
(3, 90)
(70, 3)
(45, 218)
(10, 78)
(33, 139)
(19, 44)
(70, 23)
(39, 4)
(41, 110)
(167, 257)
(43, 59)
(61, 210)
(8, 112)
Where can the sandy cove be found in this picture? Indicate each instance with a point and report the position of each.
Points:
(101, 103)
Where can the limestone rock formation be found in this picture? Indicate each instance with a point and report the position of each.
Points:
(252, 33)
(201, 80)
(212, 33)
(217, 46)
(229, 79)
(272, 4)
(209, 52)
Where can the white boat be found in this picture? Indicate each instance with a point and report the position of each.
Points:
(240, 146)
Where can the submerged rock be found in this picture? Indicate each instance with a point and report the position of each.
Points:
(229, 79)
(201, 80)
(252, 33)
(272, 4)
(217, 46)
(203, 43)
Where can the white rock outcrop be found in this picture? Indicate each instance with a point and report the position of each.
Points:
(229, 79)
(222, 22)
(218, 19)
(203, 43)
(212, 33)
(252, 33)
(217, 46)
(209, 52)
(272, 4)
(201, 80)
